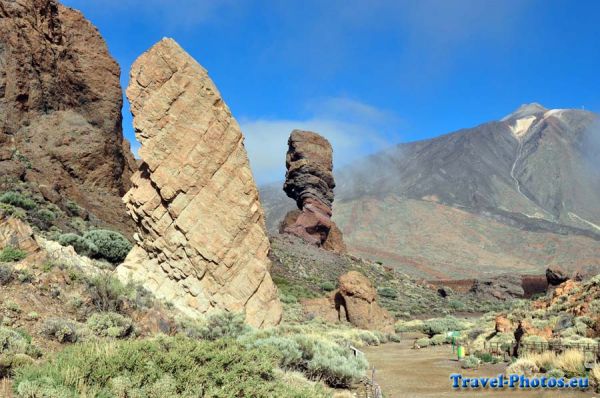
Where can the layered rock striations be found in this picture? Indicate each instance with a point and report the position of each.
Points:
(309, 181)
(201, 240)
(60, 109)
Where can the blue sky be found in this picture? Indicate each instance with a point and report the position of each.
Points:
(367, 74)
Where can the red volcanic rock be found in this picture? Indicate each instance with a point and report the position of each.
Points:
(60, 106)
(309, 181)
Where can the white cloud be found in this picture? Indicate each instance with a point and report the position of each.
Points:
(354, 129)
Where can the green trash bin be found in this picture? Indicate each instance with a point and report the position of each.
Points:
(460, 352)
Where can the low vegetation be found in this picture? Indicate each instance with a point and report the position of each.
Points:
(159, 367)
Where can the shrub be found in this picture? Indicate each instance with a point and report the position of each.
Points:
(157, 368)
(556, 373)
(328, 286)
(43, 218)
(25, 276)
(110, 245)
(12, 211)
(470, 362)
(438, 339)
(12, 306)
(6, 274)
(291, 356)
(523, 366)
(572, 362)
(60, 329)
(107, 292)
(387, 292)
(485, 357)
(12, 254)
(442, 325)
(409, 326)
(73, 208)
(110, 324)
(422, 342)
(18, 200)
(595, 377)
(218, 325)
(81, 245)
(15, 350)
(327, 361)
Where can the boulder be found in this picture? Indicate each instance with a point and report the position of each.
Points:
(60, 106)
(357, 298)
(502, 287)
(354, 303)
(556, 275)
(15, 233)
(503, 324)
(309, 181)
(201, 241)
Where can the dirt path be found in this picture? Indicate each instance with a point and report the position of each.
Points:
(406, 373)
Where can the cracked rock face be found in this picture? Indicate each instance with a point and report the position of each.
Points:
(201, 240)
(60, 109)
(309, 181)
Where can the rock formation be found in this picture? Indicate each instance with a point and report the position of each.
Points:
(60, 109)
(355, 302)
(309, 181)
(555, 275)
(201, 241)
(501, 287)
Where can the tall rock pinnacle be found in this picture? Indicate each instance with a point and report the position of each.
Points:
(309, 181)
(201, 240)
(60, 109)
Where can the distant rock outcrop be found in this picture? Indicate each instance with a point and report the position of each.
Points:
(60, 109)
(555, 275)
(309, 181)
(201, 240)
(355, 302)
(501, 287)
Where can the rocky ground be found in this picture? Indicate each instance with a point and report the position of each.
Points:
(303, 271)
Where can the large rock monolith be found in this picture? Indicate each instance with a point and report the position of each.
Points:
(201, 242)
(60, 110)
(309, 181)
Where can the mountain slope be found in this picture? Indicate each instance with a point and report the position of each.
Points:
(509, 195)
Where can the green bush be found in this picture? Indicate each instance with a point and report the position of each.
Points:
(73, 208)
(470, 362)
(387, 292)
(439, 339)
(157, 368)
(110, 324)
(108, 294)
(16, 350)
(43, 218)
(328, 286)
(291, 356)
(18, 200)
(442, 325)
(6, 274)
(218, 325)
(60, 330)
(423, 342)
(327, 361)
(80, 244)
(13, 211)
(11, 254)
(110, 245)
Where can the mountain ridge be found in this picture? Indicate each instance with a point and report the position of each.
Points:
(530, 171)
